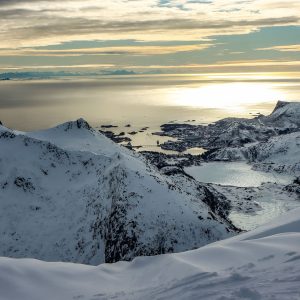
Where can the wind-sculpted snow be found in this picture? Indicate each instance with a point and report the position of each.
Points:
(70, 194)
(260, 265)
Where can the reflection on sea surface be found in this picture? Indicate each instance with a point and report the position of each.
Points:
(141, 100)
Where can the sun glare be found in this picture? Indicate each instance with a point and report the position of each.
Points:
(227, 96)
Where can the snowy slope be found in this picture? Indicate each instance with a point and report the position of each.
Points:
(262, 264)
(280, 153)
(70, 194)
(285, 116)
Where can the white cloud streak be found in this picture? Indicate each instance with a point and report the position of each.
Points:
(37, 23)
(119, 50)
(284, 48)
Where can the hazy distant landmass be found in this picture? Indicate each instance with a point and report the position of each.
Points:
(59, 74)
(30, 75)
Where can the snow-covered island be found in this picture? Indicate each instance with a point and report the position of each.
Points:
(234, 133)
(80, 213)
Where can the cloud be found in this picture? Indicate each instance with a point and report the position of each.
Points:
(119, 50)
(242, 63)
(36, 23)
(130, 33)
(245, 66)
(285, 48)
(47, 67)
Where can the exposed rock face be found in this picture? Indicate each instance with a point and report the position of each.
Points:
(294, 187)
(71, 194)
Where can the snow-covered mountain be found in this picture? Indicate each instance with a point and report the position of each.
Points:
(284, 118)
(70, 194)
(258, 265)
(234, 132)
(269, 142)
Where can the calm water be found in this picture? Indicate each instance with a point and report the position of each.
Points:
(234, 174)
(139, 100)
(240, 174)
(142, 101)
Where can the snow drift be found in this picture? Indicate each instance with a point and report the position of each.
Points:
(262, 264)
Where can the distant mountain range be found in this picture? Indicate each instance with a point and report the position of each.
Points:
(35, 75)
(59, 74)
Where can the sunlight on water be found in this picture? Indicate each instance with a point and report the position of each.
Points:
(234, 96)
(142, 100)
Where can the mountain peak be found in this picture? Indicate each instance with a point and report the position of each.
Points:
(81, 123)
(280, 104)
(77, 124)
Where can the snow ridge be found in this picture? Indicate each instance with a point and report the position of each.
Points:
(262, 264)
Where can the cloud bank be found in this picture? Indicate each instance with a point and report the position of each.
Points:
(145, 33)
(35, 23)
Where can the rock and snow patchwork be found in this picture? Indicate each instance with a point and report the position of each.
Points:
(260, 265)
(285, 117)
(259, 156)
(254, 206)
(277, 150)
(280, 153)
(233, 133)
(70, 194)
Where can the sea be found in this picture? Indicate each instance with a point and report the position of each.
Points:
(143, 101)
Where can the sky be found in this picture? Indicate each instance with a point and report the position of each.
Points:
(159, 36)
